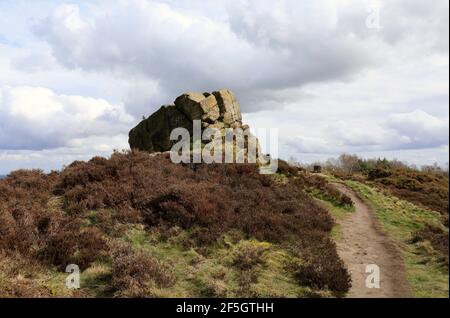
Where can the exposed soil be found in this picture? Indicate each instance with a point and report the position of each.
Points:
(363, 242)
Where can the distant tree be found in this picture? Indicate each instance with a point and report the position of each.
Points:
(348, 162)
(363, 166)
(397, 164)
(435, 169)
(331, 164)
(294, 162)
(383, 163)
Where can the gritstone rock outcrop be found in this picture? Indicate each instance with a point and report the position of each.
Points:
(218, 110)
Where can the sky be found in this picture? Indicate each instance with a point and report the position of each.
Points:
(357, 76)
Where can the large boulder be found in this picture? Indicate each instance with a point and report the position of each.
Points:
(230, 110)
(153, 134)
(197, 106)
(220, 106)
(217, 110)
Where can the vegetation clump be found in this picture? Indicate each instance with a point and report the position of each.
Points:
(426, 186)
(81, 214)
(138, 274)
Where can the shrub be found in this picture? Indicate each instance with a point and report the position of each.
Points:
(248, 255)
(286, 169)
(322, 268)
(135, 273)
(72, 245)
(102, 197)
(247, 279)
(420, 187)
(319, 187)
(437, 237)
(427, 186)
(378, 173)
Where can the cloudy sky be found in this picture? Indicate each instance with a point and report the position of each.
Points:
(359, 76)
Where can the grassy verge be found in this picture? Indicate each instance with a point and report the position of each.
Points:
(22, 278)
(337, 210)
(234, 267)
(142, 226)
(401, 219)
(231, 268)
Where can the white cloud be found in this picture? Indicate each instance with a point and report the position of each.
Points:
(51, 159)
(74, 74)
(37, 118)
(420, 129)
(271, 47)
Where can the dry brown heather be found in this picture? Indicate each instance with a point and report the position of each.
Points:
(428, 187)
(49, 219)
(425, 188)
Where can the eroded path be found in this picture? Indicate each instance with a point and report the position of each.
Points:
(362, 242)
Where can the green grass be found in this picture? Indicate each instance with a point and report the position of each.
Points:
(29, 279)
(212, 273)
(280, 178)
(336, 210)
(401, 219)
(95, 281)
(330, 201)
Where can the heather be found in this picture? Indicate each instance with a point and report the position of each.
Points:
(139, 226)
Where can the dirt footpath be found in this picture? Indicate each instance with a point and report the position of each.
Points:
(363, 242)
